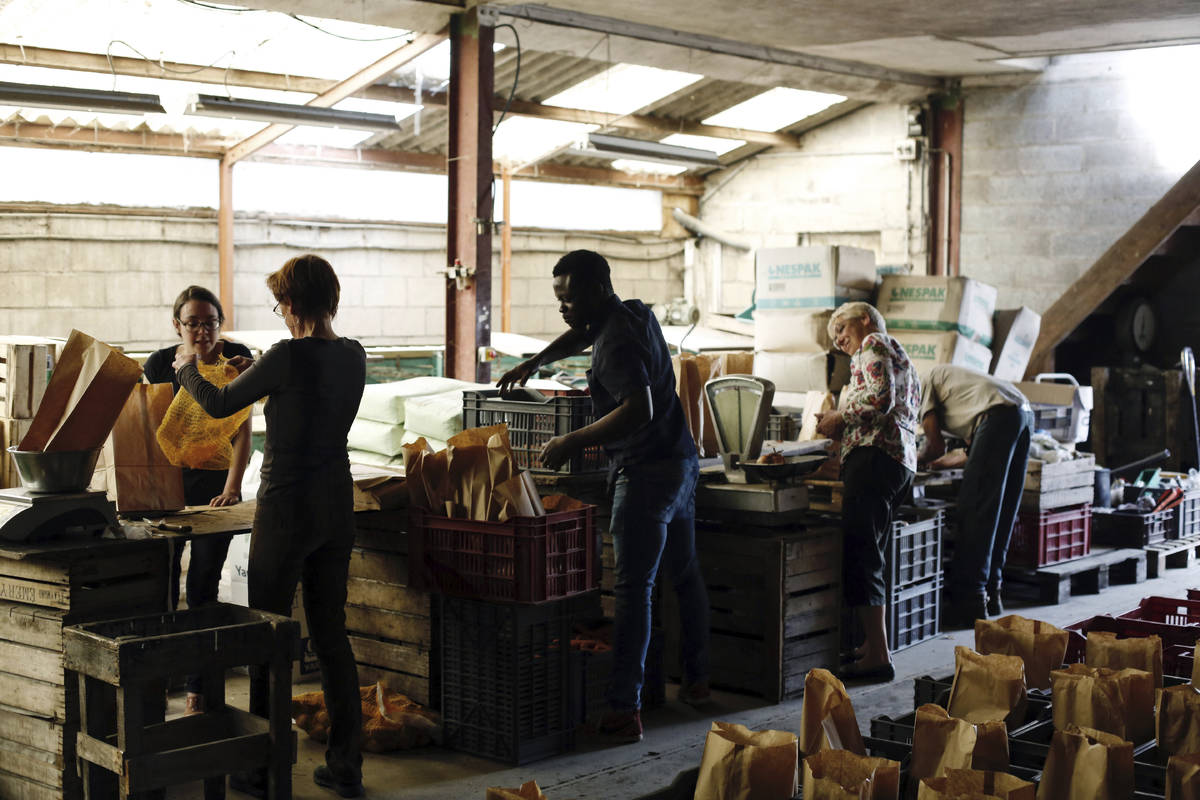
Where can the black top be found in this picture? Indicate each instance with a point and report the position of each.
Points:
(199, 485)
(629, 353)
(313, 387)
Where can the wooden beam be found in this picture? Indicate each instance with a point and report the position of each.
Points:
(1118, 264)
(103, 140)
(340, 91)
(225, 242)
(170, 70)
(471, 197)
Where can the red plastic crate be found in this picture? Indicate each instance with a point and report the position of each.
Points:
(1179, 659)
(523, 560)
(1193, 594)
(1051, 537)
(1172, 611)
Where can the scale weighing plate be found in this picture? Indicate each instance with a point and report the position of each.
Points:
(26, 515)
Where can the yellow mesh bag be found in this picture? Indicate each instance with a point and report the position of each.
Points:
(189, 436)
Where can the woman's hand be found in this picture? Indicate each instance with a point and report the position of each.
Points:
(518, 376)
(184, 354)
(955, 459)
(831, 424)
(226, 499)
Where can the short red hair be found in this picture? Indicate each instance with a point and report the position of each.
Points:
(309, 285)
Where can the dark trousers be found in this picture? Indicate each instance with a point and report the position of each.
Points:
(875, 485)
(993, 480)
(304, 534)
(207, 552)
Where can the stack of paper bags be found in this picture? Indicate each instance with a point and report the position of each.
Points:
(474, 478)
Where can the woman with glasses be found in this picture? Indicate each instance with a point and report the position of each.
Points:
(197, 319)
(304, 522)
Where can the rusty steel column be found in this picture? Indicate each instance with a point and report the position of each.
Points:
(471, 195)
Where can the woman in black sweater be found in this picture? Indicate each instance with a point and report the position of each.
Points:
(304, 523)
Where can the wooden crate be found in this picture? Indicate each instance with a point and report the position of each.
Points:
(390, 624)
(25, 366)
(1065, 483)
(45, 587)
(774, 604)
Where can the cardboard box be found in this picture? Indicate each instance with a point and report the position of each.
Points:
(793, 331)
(803, 372)
(938, 303)
(927, 350)
(1015, 332)
(812, 278)
(1045, 393)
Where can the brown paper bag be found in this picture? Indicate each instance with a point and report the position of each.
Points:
(959, 783)
(528, 791)
(1183, 777)
(1039, 644)
(827, 718)
(941, 742)
(1120, 702)
(1178, 728)
(1086, 764)
(741, 764)
(987, 688)
(1104, 649)
(133, 470)
(842, 775)
(1196, 666)
(86, 392)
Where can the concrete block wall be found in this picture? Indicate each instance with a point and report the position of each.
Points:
(115, 274)
(843, 180)
(1056, 170)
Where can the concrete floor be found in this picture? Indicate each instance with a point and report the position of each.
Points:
(674, 736)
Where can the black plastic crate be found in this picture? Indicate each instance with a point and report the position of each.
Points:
(594, 670)
(1030, 746)
(913, 615)
(1131, 528)
(915, 551)
(531, 425)
(1186, 521)
(781, 428)
(506, 678)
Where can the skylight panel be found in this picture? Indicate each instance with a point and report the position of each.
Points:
(774, 109)
(622, 89)
(522, 140)
(718, 146)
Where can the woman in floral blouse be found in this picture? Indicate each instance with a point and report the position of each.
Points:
(876, 424)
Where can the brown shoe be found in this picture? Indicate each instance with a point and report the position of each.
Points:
(696, 695)
(194, 705)
(624, 727)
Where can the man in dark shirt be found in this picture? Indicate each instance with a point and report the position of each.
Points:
(653, 470)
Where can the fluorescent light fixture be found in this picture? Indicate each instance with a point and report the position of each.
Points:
(209, 105)
(718, 146)
(602, 145)
(31, 94)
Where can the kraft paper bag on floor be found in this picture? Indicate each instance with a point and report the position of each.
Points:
(1086, 764)
(741, 764)
(1120, 702)
(1104, 649)
(842, 775)
(1178, 727)
(1183, 777)
(133, 470)
(1039, 644)
(972, 783)
(827, 717)
(941, 743)
(987, 688)
(86, 392)
(528, 791)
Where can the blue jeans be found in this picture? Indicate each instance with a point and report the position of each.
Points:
(993, 480)
(653, 524)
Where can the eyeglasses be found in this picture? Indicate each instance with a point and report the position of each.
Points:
(276, 311)
(195, 324)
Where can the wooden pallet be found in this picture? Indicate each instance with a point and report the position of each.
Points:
(389, 623)
(1090, 574)
(1177, 554)
(774, 607)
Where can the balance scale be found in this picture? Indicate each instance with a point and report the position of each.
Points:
(740, 407)
(27, 516)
